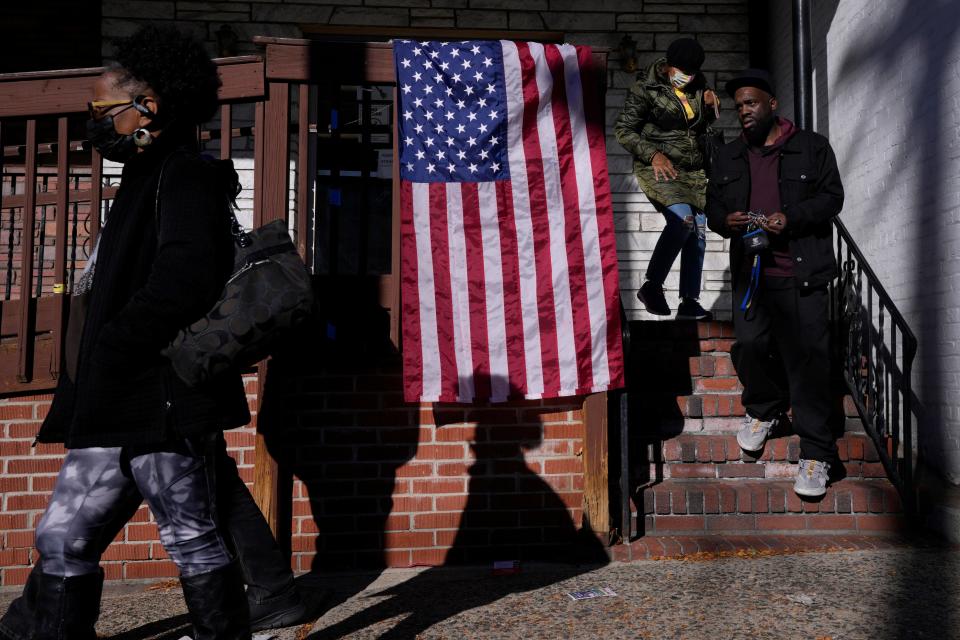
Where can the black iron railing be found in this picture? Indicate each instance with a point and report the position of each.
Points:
(876, 350)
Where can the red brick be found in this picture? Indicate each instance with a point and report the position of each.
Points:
(453, 503)
(441, 452)
(414, 470)
(19, 540)
(693, 471)
(421, 487)
(9, 557)
(25, 430)
(428, 557)
(449, 520)
(832, 522)
(456, 433)
(43, 483)
(404, 504)
(741, 470)
(34, 465)
(127, 552)
(26, 502)
(397, 558)
(780, 522)
(142, 532)
(680, 523)
(561, 431)
(728, 499)
(739, 522)
(568, 465)
(14, 448)
(408, 539)
(16, 411)
(15, 576)
(14, 484)
(150, 569)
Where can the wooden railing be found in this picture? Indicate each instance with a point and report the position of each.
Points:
(54, 197)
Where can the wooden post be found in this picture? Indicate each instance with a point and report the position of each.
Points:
(596, 463)
(271, 179)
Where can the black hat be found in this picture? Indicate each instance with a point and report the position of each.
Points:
(757, 78)
(685, 54)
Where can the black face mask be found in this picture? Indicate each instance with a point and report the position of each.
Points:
(108, 143)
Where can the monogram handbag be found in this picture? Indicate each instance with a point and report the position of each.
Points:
(268, 294)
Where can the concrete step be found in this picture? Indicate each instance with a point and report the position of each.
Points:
(675, 507)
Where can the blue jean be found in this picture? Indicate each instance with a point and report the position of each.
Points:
(688, 240)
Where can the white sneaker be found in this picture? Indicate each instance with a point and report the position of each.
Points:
(812, 478)
(754, 433)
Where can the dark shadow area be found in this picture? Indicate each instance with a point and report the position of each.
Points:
(333, 416)
(658, 379)
(511, 514)
(168, 628)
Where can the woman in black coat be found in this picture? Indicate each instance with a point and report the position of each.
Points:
(130, 425)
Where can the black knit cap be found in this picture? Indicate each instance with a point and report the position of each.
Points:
(685, 54)
(757, 78)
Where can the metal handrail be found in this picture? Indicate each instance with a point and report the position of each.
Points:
(877, 361)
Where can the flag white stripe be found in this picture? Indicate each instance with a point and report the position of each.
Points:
(593, 266)
(493, 274)
(563, 306)
(524, 227)
(459, 291)
(428, 296)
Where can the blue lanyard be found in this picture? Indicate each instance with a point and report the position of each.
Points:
(753, 286)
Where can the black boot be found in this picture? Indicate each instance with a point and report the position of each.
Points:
(217, 604)
(54, 608)
(272, 595)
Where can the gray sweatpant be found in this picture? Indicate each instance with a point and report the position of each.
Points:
(99, 488)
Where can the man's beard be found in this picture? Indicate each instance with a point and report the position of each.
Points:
(757, 135)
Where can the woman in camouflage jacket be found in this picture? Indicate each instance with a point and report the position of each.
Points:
(664, 114)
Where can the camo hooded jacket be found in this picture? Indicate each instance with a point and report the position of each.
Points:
(653, 120)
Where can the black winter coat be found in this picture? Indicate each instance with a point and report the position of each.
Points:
(811, 194)
(145, 288)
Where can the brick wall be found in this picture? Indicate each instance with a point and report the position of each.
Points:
(885, 98)
(29, 474)
(378, 482)
(720, 25)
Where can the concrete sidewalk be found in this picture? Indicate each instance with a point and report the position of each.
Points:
(891, 592)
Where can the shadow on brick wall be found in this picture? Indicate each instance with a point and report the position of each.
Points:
(511, 514)
(384, 483)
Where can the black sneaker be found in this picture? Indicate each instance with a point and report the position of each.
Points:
(652, 298)
(690, 309)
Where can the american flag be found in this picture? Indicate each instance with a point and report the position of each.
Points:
(509, 266)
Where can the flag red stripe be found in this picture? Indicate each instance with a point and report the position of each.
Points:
(576, 272)
(593, 114)
(410, 301)
(440, 243)
(476, 279)
(549, 347)
(512, 306)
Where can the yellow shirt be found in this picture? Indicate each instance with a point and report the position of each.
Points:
(687, 107)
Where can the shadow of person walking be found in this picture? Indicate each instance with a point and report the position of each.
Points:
(511, 514)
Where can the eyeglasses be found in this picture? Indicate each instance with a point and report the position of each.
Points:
(99, 108)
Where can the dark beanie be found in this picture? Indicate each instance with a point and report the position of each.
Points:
(685, 54)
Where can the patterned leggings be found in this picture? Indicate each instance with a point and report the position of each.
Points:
(100, 488)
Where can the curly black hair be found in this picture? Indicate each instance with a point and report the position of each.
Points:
(176, 66)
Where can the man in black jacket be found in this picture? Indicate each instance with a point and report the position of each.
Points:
(774, 192)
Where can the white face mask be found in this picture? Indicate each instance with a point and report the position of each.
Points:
(679, 79)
